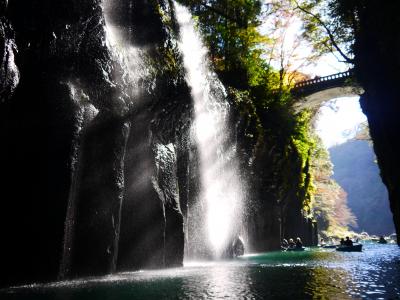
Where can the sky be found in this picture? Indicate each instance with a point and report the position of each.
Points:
(338, 119)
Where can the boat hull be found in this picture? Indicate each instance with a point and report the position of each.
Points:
(354, 248)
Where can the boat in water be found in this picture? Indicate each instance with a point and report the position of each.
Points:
(354, 248)
(238, 247)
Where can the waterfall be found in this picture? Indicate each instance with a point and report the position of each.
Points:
(221, 191)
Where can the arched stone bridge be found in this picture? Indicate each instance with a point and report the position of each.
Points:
(312, 93)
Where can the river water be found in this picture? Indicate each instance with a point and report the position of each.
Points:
(312, 274)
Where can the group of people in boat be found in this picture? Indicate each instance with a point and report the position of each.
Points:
(346, 242)
(382, 240)
(291, 244)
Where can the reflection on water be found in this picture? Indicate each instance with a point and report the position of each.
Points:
(314, 274)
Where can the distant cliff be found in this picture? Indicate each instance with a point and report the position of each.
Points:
(356, 171)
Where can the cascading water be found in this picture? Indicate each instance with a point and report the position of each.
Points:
(221, 191)
(119, 40)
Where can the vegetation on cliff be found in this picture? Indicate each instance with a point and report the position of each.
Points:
(276, 137)
(367, 196)
(329, 205)
(259, 72)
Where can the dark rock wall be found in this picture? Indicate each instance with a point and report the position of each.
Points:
(377, 61)
(273, 170)
(98, 197)
(92, 171)
(99, 173)
(37, 132)
(142, 224)
(276, 209)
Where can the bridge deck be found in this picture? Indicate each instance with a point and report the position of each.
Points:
(311, 86)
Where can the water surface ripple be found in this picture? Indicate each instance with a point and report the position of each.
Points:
(313, 274)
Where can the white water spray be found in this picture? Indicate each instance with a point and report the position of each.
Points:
(221, 189)
(133, 68)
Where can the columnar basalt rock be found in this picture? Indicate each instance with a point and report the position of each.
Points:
(94, 157)
(99, 167)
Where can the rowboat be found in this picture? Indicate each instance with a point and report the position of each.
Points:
(354, 248)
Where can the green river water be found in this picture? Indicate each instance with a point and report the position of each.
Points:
(312, 274)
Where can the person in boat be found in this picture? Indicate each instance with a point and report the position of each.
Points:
(342, 242)
(284, 244)
(299, 243)
(291, 243)
(238, 247)
(382, 240)
(348, 242)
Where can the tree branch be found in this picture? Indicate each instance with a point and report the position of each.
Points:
(328, 31)
(223, 14)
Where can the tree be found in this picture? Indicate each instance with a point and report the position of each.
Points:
(329, 205)
(288, 51)
(230, 29)
(323, 28)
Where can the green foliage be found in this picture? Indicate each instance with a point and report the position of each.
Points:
(230, 28)
(253, 131)
(259, 93)
(329, 25)
(367, 195)
(301, 137)
(304, 142)
(329, 205)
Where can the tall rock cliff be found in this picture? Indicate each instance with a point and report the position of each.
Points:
(97, 161)
(377, 60)
(94, 138)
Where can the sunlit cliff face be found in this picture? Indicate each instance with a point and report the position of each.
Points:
(220, 186)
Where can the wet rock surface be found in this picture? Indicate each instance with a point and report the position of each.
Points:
(274, 172)
(100, 170)
(97, 161)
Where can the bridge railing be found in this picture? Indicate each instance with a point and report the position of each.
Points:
(305, 83)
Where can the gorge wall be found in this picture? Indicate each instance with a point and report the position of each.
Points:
(367, 196)
(98, 164)
(377, 61)
(278, 176)
(90, 156)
